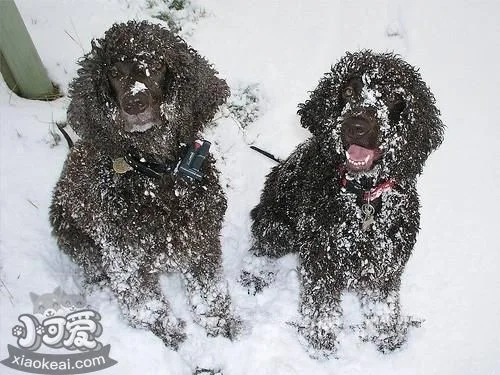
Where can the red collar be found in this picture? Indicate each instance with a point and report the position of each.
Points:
(366, 195)
(378, 190)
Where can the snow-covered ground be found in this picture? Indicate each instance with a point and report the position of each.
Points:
(452, 279)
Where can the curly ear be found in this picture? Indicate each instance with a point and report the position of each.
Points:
(211, 91)
(89, 92)
(322, 106)
(431, 128)
(424, 117)
(197, 86)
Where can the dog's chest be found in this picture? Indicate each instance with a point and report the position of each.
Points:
(135, 211)
(373, 251)
(352, 229)
(368, 221)
(145, 203)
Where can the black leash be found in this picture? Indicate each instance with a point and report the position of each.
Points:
(268, 154)
(66, 136)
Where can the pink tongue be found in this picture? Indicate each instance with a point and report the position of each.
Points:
(358, 153)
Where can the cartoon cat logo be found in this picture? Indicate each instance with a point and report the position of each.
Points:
(59, 321)
(56, 303)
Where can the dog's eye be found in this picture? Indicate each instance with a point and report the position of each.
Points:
(348, 92)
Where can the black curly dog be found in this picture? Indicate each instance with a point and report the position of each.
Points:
(345, 200)
(120, 209)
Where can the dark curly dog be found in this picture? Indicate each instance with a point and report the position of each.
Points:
(121, 208)
(345, 200)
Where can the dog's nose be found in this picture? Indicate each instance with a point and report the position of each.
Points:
(135, 103)
(356, 127)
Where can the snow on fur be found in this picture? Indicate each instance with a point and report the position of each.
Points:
(284, 47)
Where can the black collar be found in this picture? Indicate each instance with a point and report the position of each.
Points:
(149, 168)
(188, 166)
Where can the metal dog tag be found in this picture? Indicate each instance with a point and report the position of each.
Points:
(368, 220)
(120, 166)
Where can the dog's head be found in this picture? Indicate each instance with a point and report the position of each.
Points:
(375, 111)
(142, 87)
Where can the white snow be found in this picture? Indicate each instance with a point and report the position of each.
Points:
(138, 87)
(452, 279)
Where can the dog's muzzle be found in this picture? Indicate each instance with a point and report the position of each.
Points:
(360, 137)
(135, 103)
(138, 110)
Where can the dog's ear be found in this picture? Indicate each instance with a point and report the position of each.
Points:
(424, 117)
(90, 91)
(212, 91)
(323, 106)
(34, 297)
(196, 84)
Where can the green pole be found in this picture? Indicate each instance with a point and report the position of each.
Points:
(7, 74)
(21, 65)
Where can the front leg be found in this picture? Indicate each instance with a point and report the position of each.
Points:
(321, 312)
(209, 297)
(383, 323)
(140, 298)
(273, 236)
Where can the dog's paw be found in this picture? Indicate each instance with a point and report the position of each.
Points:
(390, 336)
(318, 344)
(171, 331)
(389, 341)
(227, 326)
(255, 283)
(319, 337)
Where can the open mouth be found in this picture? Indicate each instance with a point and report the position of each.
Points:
(361, 159)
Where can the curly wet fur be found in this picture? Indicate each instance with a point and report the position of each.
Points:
(125, 230)
(305, 209)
